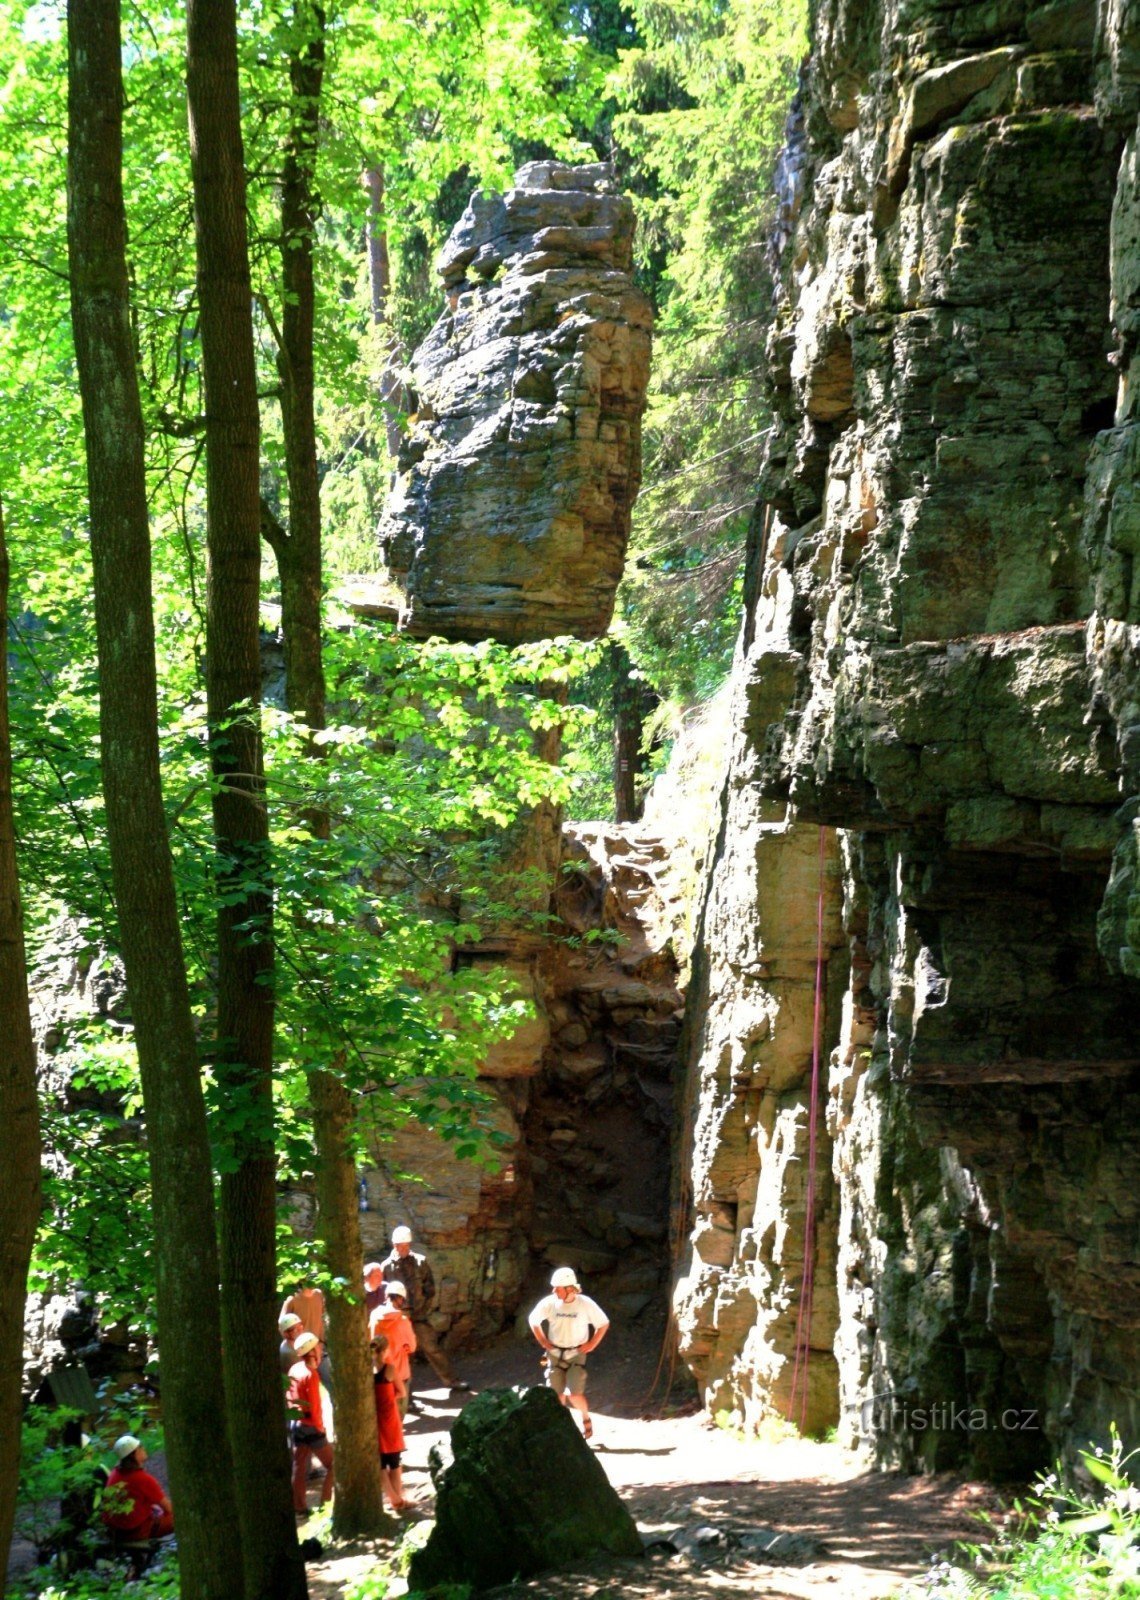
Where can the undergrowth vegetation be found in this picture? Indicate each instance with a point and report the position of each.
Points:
(107, 1582)
(61, 1489)
(1058, 1543)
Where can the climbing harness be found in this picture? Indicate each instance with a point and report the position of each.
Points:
(563, 1358)
(807, 1282)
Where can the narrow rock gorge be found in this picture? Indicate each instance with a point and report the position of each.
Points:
(852, 1083)
(583, 1099)
(821, 1067)
(918, 911)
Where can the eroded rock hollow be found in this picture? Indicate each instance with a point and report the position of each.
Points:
(939, 669)
(516, 480)
(581, 1099)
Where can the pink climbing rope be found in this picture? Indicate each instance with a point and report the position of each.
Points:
(807, 1282)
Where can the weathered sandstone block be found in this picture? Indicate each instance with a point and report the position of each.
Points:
(511, 508)
(523, 1494)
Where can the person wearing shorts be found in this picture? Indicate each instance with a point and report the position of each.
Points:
(307, 1425)
(389, 1424)
(575, 1325)
(394, 1325)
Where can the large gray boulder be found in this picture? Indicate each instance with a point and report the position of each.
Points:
(524, 1494)
(511, 508)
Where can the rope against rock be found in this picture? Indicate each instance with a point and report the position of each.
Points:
(807, 1282)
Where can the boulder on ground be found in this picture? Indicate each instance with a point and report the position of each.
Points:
(523, 1494)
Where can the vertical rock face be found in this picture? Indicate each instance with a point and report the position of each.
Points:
(752, 1005)
(941, 661)
(78, 991)
(511, 508)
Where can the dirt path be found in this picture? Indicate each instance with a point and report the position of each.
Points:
(709, 1502)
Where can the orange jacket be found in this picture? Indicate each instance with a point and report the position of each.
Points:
(396, 1328)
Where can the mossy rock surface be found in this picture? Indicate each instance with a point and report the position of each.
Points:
(524, 1494)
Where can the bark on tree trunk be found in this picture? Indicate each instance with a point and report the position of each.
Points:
(393, 391)
(358, 1505)
(301, 568)
(273, 1568)
(632, 702)
(186, 1257)
(19, 1116)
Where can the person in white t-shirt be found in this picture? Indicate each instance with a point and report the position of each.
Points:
(575, 1326)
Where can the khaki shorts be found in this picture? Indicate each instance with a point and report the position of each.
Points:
(566, 1379)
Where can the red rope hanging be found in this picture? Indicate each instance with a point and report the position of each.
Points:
(807, 1282)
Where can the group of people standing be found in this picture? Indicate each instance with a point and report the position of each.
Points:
(398, 1296)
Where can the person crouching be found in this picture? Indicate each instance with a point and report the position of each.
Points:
(389, 1424)
(135, 1505)
(307, 1426)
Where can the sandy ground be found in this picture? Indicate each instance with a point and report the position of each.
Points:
(862, 1535)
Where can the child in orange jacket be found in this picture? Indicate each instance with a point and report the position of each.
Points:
(391, 1321)
(389, 1426)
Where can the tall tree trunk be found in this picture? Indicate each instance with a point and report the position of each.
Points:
(19, 1116)
(186, 1255)
(256, 1414)
(358, 1506)
(393, 391)
(633, 700)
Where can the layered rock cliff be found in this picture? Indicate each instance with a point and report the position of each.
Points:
(516, 480)
(939, 669)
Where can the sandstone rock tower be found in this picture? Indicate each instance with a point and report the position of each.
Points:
(511, 508)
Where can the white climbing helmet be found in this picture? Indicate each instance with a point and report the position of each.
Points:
(287, 1320)
(397, 1288)
(401, 1235)
(307, 1342)
(564, 1278)
(125, 1446)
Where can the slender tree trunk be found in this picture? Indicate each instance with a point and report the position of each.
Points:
(632, 702)
(358, 1505)
(393, 391)
(299, 555)
(256, 1414)
(19, 1116)
(186, 1256)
